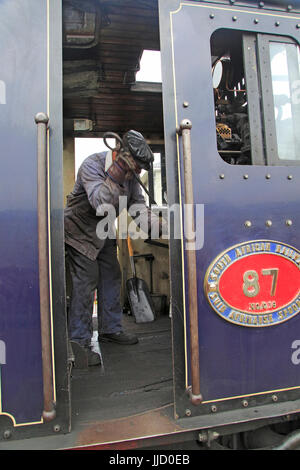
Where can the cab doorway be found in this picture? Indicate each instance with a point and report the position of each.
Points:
(101, 58)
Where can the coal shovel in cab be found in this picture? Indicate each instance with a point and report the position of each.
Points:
(139, 297)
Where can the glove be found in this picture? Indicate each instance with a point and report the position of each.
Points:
(118, 171)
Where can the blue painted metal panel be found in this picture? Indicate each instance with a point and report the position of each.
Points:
(234, 360)
(23, 93)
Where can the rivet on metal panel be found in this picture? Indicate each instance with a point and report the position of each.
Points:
(277, 23)
(255, 21)
(188, 412)
(56, 428)
(274, 398)
(234, 18)
(212, 16)
(185, 104)
(268, 176)
(290, 177)
(7, 434)
(221, 176)
(298, 25)
(245, 403)
(288, 222)
(268, 223)
(214, 408)
(261, 4)
(246, 177)
(248, 223)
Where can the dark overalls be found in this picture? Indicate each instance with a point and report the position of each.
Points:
(92, 262)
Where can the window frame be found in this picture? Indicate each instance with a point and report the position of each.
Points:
(260, 98)
(253, 86)
(267, 97)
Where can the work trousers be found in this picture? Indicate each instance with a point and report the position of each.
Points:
(85, 276)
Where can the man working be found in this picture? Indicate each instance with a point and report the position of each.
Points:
(102, 179)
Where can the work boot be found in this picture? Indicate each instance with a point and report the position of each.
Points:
(120, 338)
(93, 358)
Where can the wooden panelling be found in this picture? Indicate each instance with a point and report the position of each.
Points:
(98, 79)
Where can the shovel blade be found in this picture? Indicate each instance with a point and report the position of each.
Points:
(140, 300)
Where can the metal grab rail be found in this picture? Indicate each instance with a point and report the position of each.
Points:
(42, 120)
(194, 390)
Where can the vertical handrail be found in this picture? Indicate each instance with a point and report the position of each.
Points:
(185, 132)
(42, 120)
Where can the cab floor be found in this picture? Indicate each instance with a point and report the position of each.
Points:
(132, 379)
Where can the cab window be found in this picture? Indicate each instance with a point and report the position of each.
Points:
(256, 85)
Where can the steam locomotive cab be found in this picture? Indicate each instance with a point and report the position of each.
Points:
(219, 365)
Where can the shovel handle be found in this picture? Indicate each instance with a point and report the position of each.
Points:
(130, 250)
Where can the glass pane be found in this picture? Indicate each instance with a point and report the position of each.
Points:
(230, 97)
(285, 67)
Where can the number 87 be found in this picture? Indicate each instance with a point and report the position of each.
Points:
(251, 285)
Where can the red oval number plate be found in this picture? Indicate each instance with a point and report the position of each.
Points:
(255, 283)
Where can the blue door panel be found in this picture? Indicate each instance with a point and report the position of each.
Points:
(23, 80)
(234, 360)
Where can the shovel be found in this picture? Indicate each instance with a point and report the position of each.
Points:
(138, 294)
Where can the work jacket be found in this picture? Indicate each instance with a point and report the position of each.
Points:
(92, 191)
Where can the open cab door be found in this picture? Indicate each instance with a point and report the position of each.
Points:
(34, 382)
(235, 296)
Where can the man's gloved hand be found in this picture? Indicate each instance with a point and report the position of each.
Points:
(132, 157)
(120, 169)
